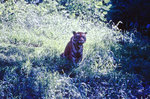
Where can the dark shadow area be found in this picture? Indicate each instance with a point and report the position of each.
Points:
(133, 14)
(11, 57)
(133, 57)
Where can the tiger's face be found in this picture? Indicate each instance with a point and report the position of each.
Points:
(79, 37)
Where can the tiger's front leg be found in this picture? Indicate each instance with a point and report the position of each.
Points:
(80, 59)
(74, 60)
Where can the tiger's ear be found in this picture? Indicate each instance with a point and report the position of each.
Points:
(74, 32)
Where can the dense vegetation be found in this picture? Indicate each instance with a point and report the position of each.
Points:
(32, 37)
(133, 14)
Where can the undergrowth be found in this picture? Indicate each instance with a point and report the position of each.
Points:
(31, 41)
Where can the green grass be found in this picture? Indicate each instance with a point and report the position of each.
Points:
(31, 67)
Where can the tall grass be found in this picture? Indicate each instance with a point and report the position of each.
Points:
(31, 41)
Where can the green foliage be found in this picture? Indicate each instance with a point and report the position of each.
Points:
(32, 39)
(86, 9)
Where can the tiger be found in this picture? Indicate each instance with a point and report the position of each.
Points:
(74, 48)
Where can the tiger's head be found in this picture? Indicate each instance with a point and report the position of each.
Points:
(79, 37)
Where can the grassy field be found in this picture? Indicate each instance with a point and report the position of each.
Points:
(32, 39)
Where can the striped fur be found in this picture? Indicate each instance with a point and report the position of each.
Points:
(74, 49)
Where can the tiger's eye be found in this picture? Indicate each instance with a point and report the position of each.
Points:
(77, 37)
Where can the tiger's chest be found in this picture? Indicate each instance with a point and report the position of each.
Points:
(77, 51)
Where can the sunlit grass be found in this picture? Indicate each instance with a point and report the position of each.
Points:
(31, 67)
